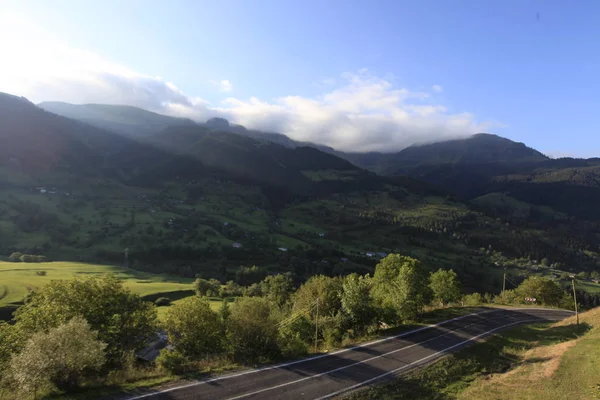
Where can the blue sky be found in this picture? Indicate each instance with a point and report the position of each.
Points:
(359, 75)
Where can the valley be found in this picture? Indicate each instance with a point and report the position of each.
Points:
(190, 200)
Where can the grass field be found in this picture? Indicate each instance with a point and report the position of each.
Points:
(16, 279)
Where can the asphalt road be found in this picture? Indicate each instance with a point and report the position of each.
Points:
(336, 373)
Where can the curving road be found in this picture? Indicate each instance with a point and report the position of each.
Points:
(330, 375)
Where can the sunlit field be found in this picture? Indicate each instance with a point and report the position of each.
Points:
(16, 279)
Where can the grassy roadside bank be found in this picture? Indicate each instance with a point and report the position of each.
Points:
(540, 361)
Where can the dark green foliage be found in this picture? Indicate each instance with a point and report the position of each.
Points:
(207, 288)
(277, 288)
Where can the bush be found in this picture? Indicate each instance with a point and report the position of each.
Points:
(162, 301)
(172, 361)
(59, 357)
(507, 297)
(473, 299)
(41, 273)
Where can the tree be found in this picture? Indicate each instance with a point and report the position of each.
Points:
(400, 287)
(123, 320)
(277, 288)
(59, 357)
(194, 329)
(230, 289)
(543, 290)
(253, 290)
(595, 275)
(15, 257)
(582, 276)
(445, 286)
(252, 332)
(321, 287)
(224, 313)
(356, 300)
(207, 288)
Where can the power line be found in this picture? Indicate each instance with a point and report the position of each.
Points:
(297, 314)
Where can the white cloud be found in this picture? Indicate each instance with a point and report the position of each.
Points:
(437, 89)
(356, 112)
(223, 85)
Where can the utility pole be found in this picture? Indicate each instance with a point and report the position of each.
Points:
(504, 283)
(317, 326)
(575, 298)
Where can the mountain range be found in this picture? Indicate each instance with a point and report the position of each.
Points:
(86, 181)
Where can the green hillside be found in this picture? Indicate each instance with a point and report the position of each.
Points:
(194, 201)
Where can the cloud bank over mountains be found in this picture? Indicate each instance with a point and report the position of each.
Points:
(359, 111)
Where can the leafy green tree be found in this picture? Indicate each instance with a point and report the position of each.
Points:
(59, 357)
(194, 329)
(207, 288)
(278, 288)
(357, 302)
(321, 287)
(400, 287)
(123, 320)
(445, 286)
(252, 331)
(595, 275)
(543, 290)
